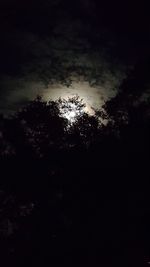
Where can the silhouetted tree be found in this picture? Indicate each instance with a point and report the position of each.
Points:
(129, 115)
(62, 179)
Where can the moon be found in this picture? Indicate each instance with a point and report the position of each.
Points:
(92, 96)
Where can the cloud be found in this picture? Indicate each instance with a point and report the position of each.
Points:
(33, 63)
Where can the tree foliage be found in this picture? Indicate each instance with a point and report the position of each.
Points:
(57, 174)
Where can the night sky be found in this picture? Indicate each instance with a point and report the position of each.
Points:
(58, 48)
(74, 187)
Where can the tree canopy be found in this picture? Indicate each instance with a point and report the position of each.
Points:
(56, 171)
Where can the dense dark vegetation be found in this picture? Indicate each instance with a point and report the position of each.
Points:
(77, 193)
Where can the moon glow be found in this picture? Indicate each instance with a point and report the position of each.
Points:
(25, 90)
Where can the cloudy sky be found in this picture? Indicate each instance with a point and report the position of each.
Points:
(58, 49)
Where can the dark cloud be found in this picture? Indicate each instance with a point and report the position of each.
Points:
(48, 41)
